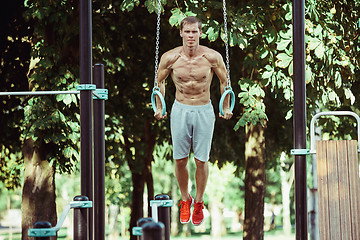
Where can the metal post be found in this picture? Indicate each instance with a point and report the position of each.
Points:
(142, 222)
(300, 119)
(164, 215)
(81, 221)
(99, 156)
(42, 225)
(314, 208)
(153, 231)
(86, 104)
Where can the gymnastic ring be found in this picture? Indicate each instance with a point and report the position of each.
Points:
(156, 91)
(227, 90)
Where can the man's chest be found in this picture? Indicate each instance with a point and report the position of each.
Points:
(194, 69)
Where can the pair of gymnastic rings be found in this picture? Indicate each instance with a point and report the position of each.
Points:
(227, 90)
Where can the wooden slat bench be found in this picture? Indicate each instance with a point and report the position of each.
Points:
(339, 190)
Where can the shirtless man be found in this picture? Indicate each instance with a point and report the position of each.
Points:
(192, 67)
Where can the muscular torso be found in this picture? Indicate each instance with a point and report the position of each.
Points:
(192, 76)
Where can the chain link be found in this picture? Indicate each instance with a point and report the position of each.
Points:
(226, 44)
(157, 43)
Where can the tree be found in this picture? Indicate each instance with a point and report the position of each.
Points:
(50, 127)
(286, 183)
(15, 60)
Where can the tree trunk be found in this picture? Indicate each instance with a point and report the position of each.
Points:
(142, 176)
(286, 183)
(218, 228)
(38, 197)
(149, 158)
(255, 183)
(137, 201)
(175, 209)
(113, 213)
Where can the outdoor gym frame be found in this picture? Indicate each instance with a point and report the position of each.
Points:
(89, 159)
(97, 195)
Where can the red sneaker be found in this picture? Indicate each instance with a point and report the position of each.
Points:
(198, 215)
(185, 212)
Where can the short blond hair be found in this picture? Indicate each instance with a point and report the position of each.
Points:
(190, 19)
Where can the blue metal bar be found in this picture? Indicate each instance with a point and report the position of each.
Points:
(30, 93)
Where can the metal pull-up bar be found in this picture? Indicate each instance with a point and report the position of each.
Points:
(98, 93)
(30, 93)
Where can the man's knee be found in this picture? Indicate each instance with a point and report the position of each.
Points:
(181, 162)
(200, 164)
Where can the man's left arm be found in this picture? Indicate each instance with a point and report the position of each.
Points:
(221, 73)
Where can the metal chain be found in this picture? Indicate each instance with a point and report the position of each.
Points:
(157, 43)
(226, 44)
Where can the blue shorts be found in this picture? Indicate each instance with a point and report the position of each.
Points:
(192, 125)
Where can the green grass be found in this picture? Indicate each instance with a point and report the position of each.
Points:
(271, 235)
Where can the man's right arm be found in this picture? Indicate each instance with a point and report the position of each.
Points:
(163, 72)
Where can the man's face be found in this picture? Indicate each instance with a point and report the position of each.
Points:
(190, 34)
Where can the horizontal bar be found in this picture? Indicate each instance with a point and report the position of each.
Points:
(30, 93)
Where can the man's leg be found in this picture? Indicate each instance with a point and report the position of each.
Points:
(182, 175)
(201, 176)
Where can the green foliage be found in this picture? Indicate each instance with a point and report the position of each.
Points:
(53, 121)
(129, 5)
(163, 169)
(273, 185)
(14, 65)
(9, 199)
(10, 168)
(176, 17)
(332, 42)
(40, 115)
(224, 186)
(118, 184)
(251, 96)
